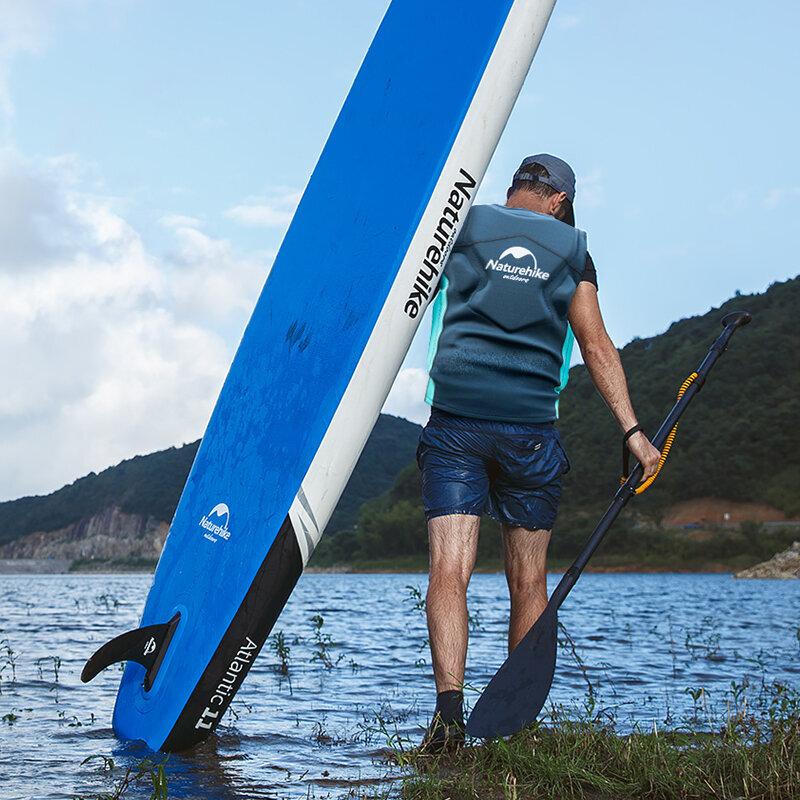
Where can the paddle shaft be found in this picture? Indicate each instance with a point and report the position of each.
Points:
(627, 490)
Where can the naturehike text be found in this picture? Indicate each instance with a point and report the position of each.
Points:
(439, 249)
(217, 530)
(516, 272)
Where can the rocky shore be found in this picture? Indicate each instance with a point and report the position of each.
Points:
(110, 534)
(781, 565)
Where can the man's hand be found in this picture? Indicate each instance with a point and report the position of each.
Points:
(644, 452)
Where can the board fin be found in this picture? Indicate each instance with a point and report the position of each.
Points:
(146, 646)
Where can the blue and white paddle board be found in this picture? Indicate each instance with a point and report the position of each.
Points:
(348, 288)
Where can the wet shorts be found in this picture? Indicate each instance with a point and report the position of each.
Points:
(511, 471)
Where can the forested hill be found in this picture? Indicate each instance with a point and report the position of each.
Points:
(150, 486)
(739, 439)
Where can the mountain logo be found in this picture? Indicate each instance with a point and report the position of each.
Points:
(216, 523)
(517, 253)
(517, 264)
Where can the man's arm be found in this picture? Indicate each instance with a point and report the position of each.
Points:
(605, 368)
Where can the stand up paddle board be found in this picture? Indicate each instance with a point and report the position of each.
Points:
(349, 285)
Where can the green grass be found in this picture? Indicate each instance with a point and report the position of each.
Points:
(753, 754)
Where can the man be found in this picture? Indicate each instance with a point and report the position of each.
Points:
(518, 285)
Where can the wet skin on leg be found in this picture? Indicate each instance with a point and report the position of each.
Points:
(526, 573)
(453, 548)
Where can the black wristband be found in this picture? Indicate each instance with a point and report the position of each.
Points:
(635, 429)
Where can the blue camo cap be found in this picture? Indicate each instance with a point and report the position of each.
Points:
(560, 175)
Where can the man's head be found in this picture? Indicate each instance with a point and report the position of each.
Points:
(546, 184)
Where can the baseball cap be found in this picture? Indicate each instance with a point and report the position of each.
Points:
(560, 174)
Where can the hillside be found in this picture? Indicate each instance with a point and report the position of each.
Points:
(738, 442)
(146, 489)
(740, 439)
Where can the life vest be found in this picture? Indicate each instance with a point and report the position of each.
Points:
(500, 343)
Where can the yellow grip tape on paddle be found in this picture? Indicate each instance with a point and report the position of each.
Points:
(670, 438)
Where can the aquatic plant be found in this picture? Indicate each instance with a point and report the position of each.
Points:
(146, 771)
(280, 647)
(323, 644)
(72, 720)
(8, 658)
(474, 620)
(322, 735)
(704, 641)
(108, 600)
(238, 703)
(414, 596)
(55, 663)
(566, 642)
(700, 698)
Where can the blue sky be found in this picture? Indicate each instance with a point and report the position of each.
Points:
(152, 153)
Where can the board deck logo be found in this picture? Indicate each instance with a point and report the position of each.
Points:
(439, 249)
(216, 523)
(520, 271)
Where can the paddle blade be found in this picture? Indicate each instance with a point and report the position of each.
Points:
(516, 694)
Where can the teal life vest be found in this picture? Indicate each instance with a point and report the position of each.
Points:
(500, 343)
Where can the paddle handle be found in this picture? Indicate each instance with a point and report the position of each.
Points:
(731, 323)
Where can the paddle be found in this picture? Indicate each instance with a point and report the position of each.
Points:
(516, 694)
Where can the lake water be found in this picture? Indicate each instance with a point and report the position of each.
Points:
(363, 682)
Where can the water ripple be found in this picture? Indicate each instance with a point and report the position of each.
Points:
(645, 643)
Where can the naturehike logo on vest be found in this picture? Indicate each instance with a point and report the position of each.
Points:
(517, 272)
(216, 523)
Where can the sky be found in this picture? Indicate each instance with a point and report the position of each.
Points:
(152, 154)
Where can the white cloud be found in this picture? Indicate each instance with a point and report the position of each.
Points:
(567, 21)
(106, 350)
(211, 279)
(739, 200)
(589, 190)
(778, 196)
(25, 29)
(407, 397)
(22, 30)
(272, 211)
(180, 221)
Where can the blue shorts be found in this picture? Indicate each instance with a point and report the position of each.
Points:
(511, 471)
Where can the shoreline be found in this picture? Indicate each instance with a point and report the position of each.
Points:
(35, 566)
(63, 566)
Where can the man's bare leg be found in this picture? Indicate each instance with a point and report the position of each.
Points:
(453, 548)
(526, 573)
